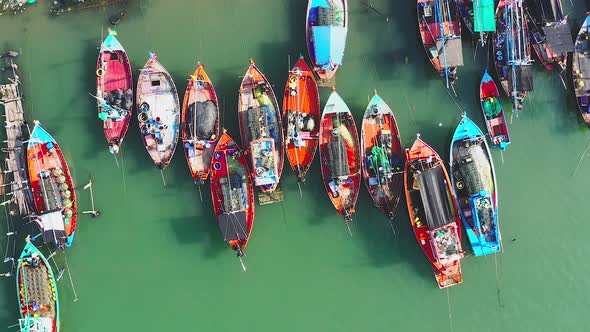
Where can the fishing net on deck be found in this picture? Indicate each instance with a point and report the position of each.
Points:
(435, 197)
(492, 107)
(203, 127)
(474, 167)
(338, 157)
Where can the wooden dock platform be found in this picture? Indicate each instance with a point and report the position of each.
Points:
(15, 169)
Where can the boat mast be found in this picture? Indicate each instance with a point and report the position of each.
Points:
(440, 16)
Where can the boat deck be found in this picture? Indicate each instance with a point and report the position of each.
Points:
(116, 76)
(159, 113)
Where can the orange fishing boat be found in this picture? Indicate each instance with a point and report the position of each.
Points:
(232, 193)
(301, 113)
(339, 156)
(382, 155)
(433, 212)
(199, 124)
(52, 188)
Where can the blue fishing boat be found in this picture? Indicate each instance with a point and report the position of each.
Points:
(37, 292)
(474, 184)
(326, 29)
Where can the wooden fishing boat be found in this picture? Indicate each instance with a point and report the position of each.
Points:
(261, 129)
(339, 156)
(158, 111)
(549, 33)
(475, 187)
(232, 193)
(37, 292)
(200, 124)
(478, 16)
(581, 70)
(52, 188)
(440, 29)
(512, 53)
(301, 114)
(382, 155)
(493, 113)
(433, 213)
(326, 29)
(114, 91)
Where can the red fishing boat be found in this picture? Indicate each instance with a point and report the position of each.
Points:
(114, 91)
(232, 193)
(382, 155)
(52, 188)
(301, 113)
(339, 156)
(199, 124)
(493, 112)
(261, 129)
(433, 212)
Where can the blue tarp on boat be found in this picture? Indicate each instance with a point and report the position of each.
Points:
(330, 42)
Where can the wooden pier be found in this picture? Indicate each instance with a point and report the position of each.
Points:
(15, 170)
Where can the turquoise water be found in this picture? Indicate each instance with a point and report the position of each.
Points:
(154, 260)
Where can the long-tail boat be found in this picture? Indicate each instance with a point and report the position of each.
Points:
(549, 33)
(339, 156)
(37, 292)
(440, 29)
(232, 193)
(114, 91)
(301, 116)
(479, 17)
(512, 52)
(261, 129)
(433, 212)
(581, 70)
(493, 112)
(200, 124)
(326, 29)
(158, 111)
(52, 188)
(475, 187)
(382, 155)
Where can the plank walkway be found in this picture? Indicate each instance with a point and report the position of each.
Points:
(14, 145)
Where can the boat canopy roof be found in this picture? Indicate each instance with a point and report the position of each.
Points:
(452, 54)
(233, 225)
(559, 38)
(550, 10)
(435, 197)
(524, 78)
(484, 16)
(329, 44)
(52, 224)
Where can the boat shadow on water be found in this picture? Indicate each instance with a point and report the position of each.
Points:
(201, 230)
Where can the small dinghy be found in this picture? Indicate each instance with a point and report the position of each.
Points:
(158, 112)
(493, 112)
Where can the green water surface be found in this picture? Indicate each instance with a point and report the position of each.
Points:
(155, 261)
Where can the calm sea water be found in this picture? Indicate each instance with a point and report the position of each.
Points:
(154, 260)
